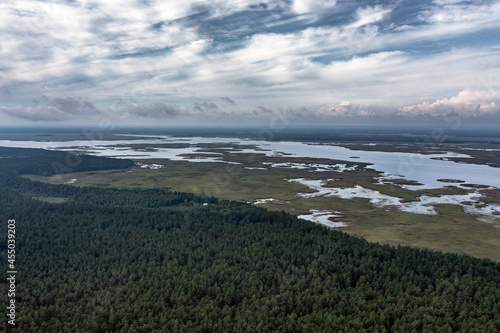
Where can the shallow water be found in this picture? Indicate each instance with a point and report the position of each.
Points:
(471, 202)
(323, 217)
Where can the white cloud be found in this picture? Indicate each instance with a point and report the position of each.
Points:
(309, 43)
(312, 6)
(369, 15)
(463, 12)
(166, 52)
(447, 2)
(437, 23)
(468, 103)
(452, 18)
(372, 61)
(171, 10)
(344, 109)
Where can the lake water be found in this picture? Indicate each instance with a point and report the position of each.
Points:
(417, 167)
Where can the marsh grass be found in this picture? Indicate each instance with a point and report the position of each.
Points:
(451, 230)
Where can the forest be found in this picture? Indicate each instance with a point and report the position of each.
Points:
(131, 260)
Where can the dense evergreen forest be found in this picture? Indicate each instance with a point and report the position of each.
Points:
(47, 162)
(117, 260)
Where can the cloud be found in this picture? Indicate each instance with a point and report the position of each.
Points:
(57, 109)
(343, 110)
(228, 100)
(312, 6)
(373, 61)
(205, 107)
(156, 110)
(5, 91)
(462, 11)
(72, 106)
(175, 57)
(260, 110)
(468, 103)
(36, 113)
(277, 115)
(369, 15)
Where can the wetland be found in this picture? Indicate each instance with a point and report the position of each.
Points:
(385, 191)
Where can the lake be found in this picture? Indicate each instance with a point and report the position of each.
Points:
(424, 169)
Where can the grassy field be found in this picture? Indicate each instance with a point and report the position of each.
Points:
(451, 230)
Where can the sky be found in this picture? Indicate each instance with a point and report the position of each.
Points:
(245, 62)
